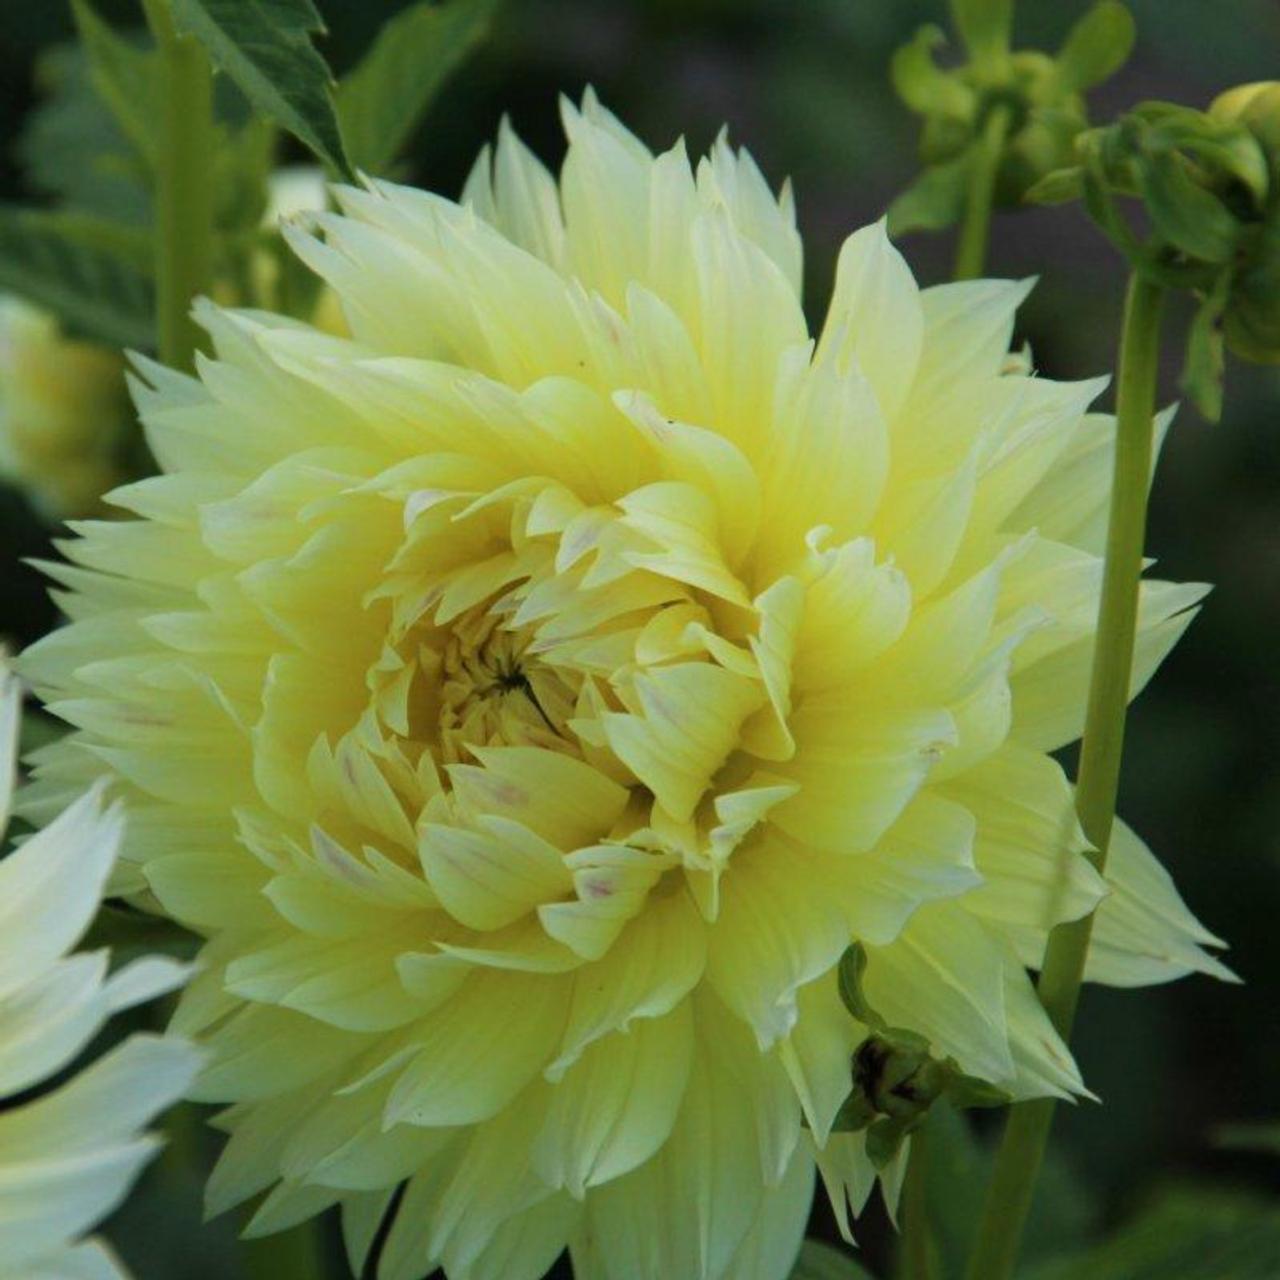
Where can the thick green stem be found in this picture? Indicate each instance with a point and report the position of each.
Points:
(183, 186)
(917, 1248)
(971, 248)
(1026, 1134)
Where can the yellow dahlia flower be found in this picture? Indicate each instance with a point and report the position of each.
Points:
(532, 697)
(68, 1158)
(63, 412)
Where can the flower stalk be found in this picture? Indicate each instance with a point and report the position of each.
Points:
(1018, 1161)
(917, 1255)
(183, 186)
(971, 247)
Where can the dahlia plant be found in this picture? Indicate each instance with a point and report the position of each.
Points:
(602, 731)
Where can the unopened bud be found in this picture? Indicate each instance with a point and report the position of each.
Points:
(64, 413)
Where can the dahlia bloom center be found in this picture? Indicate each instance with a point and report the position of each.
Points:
(494, 693)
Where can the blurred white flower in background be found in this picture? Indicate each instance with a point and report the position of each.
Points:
(68, 1157)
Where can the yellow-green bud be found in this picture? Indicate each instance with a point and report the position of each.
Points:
(1251, 320)
(64, 413)
(1041, 98)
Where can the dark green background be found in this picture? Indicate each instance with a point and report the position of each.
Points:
(804, 85)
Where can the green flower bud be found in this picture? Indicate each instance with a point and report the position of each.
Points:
(895, 1078)
(1041, 98)
(1209, 183)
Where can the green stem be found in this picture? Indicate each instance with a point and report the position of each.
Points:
(183, 186)
(1009, 1196)
(971, 248)
(917, 1257)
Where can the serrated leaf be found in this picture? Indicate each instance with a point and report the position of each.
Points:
(934, 201)
(1191, 1233)
(265, 47)
(73, 149)
(125, 77)
(93, 290)
(818, 1261)
(1097, 46)
(1057, 187)
(382, 101)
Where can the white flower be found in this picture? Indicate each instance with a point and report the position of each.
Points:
(69, 1157)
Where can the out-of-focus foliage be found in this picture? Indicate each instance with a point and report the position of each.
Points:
(384, 98)
(1041, 98)
(1188, 1232)
(807, 87)
(820, 1261)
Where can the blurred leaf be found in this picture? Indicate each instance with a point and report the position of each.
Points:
(922, 84)
(934, 200)
(242, 171)
(382, 101)
(1057, 187)
(956, 1176)
(124, 76)
(265, 47)
(818, 1261)
(1097, 46)
(985, 26)
(1191, 1233)
(130, 244)
(94, 290)
(39, 730)
(1202, 372)
(133, 934)
(74, 149)
(1249, 1137)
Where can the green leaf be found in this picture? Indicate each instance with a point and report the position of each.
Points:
(922, 84)
(1191, 1233)
(934, 201)
(74, 149)
(39, 730)
(1057, 187)
(125, 77)
(382, 101)
(1183, 212)
(132, 934)
(820, 1261)
(265, 47)
(1205, 359)
(1249, 1137)
(957, 1171)
(95, 290)
(1097, 46)
(985, 26)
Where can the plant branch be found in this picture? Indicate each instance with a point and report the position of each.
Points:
(183, 186)
(1026, 1134)
(971, 248)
